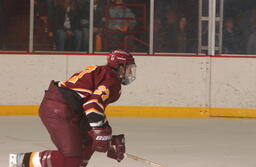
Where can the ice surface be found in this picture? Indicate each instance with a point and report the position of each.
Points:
(213, 142)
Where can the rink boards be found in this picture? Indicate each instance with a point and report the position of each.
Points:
(166, 85)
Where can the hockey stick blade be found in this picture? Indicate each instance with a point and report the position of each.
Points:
(136, 158)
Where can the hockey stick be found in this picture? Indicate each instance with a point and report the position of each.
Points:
(153, 164)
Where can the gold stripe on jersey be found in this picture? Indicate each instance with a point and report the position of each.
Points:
(82, 90)
(31, 159)
(93, 110)
(102, 91)
(94, 101)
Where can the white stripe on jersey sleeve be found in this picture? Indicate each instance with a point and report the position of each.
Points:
(93, 110)
(99, 123)
(94, 101)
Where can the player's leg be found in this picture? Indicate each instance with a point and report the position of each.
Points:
(64, 127)
(47, 158)
(61, 38)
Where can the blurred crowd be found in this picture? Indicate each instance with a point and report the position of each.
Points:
(118, 24)
(125, 24)
(239, 33)
(68, 23)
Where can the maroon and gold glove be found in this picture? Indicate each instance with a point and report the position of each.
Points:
(101, 138)
(117, 148)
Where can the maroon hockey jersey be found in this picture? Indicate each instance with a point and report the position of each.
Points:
(98, 86)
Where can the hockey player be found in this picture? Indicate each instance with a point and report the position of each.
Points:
(73, 113)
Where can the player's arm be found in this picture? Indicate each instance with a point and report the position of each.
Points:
(94, 107)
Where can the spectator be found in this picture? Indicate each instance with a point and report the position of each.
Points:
(99, 20)
(181, 34)
(67, 24)
(249, 34)
(2, 21)
(84, 22)
(50, 7)
(231, 37)
(160, 34)
(119, 26)
(171, 19)
(251, 44)
(46, 18)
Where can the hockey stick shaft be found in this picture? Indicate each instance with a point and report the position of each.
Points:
(136, 158)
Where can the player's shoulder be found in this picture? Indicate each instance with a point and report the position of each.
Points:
(108, 73)
(106, 69)
(90, 68)
(100, 69)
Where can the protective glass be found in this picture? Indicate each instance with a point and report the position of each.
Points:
(129, 74)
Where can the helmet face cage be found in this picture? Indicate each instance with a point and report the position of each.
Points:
(129, 74)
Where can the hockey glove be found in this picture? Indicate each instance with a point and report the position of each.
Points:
(101, 138)
(117, 148)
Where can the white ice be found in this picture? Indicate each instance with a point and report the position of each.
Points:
(213, 142)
